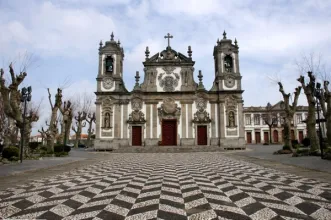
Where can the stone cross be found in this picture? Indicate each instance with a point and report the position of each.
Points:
(168, 36)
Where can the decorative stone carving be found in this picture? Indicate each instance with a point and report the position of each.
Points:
(169, 83)
(169, 69)
(169, 110)
(108, 83)
(231, 103)
(136, 104)
(136, 116)
(231, 119)
(201, 116)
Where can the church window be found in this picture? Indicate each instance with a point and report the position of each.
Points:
(257, 120)
(231, 119)
(109, 64)
(228, 63)
(248, 119)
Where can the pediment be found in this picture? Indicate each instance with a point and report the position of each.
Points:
(169, 55)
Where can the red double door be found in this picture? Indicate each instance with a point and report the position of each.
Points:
(136, 136)
(169, 132)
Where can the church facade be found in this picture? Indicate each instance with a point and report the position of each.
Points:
(168, 108)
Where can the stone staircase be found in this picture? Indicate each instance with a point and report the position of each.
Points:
(171, 149)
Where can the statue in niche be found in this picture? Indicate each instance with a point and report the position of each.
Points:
(231, 119)
(109, 64)
(107, 120)
(228, 63)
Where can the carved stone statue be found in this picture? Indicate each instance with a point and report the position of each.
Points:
(107, 120)
(231, 119)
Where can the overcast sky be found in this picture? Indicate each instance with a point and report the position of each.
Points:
(64, 36)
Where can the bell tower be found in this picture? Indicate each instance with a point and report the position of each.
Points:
(226, 59)
(110, 73)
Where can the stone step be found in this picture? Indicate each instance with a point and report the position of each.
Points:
(169, 149)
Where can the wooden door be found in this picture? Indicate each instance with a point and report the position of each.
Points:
(249, 137)
(266, 137)
(136, 136)
(275, 134)
(169, 132)
(300, 136)
(202, 135)
(257, 137)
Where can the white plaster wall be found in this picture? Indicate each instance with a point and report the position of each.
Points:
(216, 121)
(122, 121)
(222, 63)
(234, 62)
(160, 70)
(187, 121)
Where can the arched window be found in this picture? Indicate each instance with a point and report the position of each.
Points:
(109, 64)
(228, 63)
(231, 119)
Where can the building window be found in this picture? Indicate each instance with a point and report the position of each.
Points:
(257, 119)
(248, 119)
(264, 119)
(299, 118)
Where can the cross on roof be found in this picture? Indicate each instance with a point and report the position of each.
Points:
(168, 36)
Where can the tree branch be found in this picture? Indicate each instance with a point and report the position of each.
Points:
(50, 98)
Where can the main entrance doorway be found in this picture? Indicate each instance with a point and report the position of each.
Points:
(202, 135)
(169, 132)
(136, 136)
(249, 137)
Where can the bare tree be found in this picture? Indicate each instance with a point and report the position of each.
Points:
(289, 110)
(90, 120)
(53, 129)
(270, 118)
(80, 118)
(43, 134)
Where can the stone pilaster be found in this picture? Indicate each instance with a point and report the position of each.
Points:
(222, 127)
(189, 118)
(98, 121)
(148, 121)
(183, 124)
(124, 119)
(213, 120)
(118, 121)
(155, 121)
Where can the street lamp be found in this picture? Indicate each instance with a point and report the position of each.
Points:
(25, 97)
(317, 94)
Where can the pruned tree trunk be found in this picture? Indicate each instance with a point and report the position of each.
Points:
(11, 96)
(325, 101)
(311, 119)
(80, 118)
(29, 119)
(289, 112)
(53, 130)
(67, 115)
(91, 119)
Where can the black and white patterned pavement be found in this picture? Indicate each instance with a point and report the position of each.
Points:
(169, 186)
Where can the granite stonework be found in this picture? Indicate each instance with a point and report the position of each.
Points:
(168, 92)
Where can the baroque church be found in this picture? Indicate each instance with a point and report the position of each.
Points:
(168, 108)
